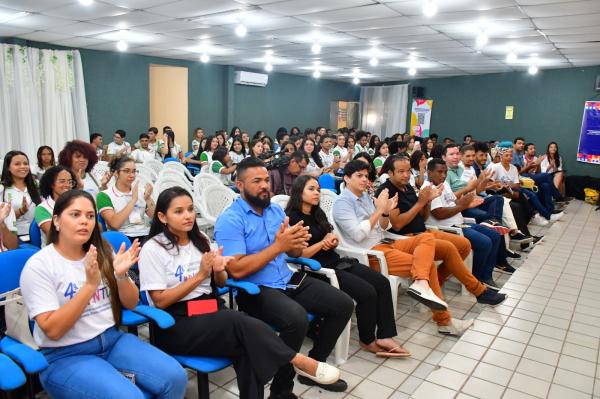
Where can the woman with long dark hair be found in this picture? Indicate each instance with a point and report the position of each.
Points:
(19, 190)
(45, 160)
(553, 164)
(370, 289)
(74, 289)
(418, 167)
(81, 158)
(56, 181)
(236, 151)
(179, 271)
(315, 165)
(256, 148)
(173, 149)
(204, 155)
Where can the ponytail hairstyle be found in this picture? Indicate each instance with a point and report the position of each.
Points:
(105, 250)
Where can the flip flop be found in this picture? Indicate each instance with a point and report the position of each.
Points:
(393, 353)
(366, 349)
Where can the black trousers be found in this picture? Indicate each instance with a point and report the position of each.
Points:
(286, 311)
(373, 295)
(522, 212)
(256, 350)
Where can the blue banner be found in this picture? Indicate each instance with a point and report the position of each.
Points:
(589, 138)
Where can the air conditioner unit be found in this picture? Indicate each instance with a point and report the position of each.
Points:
(251, 78)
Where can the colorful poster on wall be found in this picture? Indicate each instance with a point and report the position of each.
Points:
(420, 117)
(589, 137)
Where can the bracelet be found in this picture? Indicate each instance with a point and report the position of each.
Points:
(125, 277)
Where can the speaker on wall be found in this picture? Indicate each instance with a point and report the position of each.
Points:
(418, 92)
(597, 83)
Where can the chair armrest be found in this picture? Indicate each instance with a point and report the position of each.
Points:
(160, 317)
(222, 291)
(250, 288)
(393, 236)
(31, 360)
(448, 229)
(11, 376)
(470, 220)
(310, 263)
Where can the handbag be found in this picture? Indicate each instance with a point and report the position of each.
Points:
(529, 183)
(17, 319)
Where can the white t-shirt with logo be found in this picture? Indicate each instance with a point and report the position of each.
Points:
(446, 200)
(113, 148)
(236, 158)
(137, 223)
(48, 282)
(340, 152)
(500, 174)
(14, 196)
(327, 159)
(161, 269)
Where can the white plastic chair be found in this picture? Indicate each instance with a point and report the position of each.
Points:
(175, 174)
(280, 200)
(211, 206)
(155, 165)
(180, 168)
(165, 182)
(204, 180)
(204, 169)
(143, 169)
(100, 170)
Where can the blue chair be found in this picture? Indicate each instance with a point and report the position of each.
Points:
(170, 159)
(327, 182)
(116, 238)
(11, 376)
(30, 360)
(102, 223)
(35, 235)
(194, 169)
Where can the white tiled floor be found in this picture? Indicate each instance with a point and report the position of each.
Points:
(542, 342)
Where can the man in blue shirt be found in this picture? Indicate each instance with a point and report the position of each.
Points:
(257, 235)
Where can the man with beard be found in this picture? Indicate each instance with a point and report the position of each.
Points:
(257, 235)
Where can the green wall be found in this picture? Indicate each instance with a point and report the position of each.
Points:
(547, 107)
(116, 86)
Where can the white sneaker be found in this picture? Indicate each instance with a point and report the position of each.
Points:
(539, 220)
(427, 297)
(456, 328)
(325, 375)
(556, 216)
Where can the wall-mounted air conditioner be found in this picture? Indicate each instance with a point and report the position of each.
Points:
(251, 78)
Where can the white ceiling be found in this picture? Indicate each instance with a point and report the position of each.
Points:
(560, 33)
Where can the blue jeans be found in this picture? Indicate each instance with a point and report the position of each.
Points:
(92, 369)
(536, 203)
(485, 243)
(548, 180)
(490, 209)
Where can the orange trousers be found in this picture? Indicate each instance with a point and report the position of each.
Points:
(414, 257)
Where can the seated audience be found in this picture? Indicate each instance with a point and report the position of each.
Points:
(221, 165)
(342, 153)
(256, 148)
(362, 142)
(173, 149)
(45, 160)
(282, 177)
(118, 146)
(381, 154)
(178, 269)
(236, 151)
(315, 164)
(257, 235)
(19, 190)
(97, 141)
(56, 180)
(144, 153)
(121, 206)
(81, 158)
(75, 289)
(330, 164)
(370, 289)
(281, 137)
(553, 164)
(204, 157)
(197, 140)
(418, 168)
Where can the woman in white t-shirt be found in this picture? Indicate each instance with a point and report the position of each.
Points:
(236, 151)
(553, 164)
(221, 166)
(174, 149)
(56, 180)
(315, 165)
(45, 160)
(126, 206)
(381, 154)
(178, 269)
(74, 289)
(81, 158)
(19, 189)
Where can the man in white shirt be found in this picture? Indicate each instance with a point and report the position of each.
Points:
(119, 146)
(144, 152)
(326, 154)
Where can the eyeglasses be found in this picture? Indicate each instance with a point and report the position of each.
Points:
(128, 171)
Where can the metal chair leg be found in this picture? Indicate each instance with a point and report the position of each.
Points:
(203, 392)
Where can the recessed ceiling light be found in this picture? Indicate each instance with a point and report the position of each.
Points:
(412, 71)
(430, 8)
(268, 67)
(317, 74)
(86, 2)
(122, 45)
(316, 48)
(356, 80)
(481, 40)
(511, 57)
(204, 58)
(241, 30)
(374, 61)
(532, 70)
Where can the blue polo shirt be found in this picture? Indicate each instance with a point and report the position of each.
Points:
(241, 231)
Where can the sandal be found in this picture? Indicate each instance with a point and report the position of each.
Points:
(394, 352)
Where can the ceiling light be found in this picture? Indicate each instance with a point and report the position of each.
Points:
(429, 8)
(86, 2)
(268, 67)
(9, 18)
(204, 58)
(374, 61)
(511, 57)
(317, 74)
(532, 70)
(481, 40)
(269, 52)
(316, 48)
(356, 80)
(412, 71)
(122, 45)
(241, 30)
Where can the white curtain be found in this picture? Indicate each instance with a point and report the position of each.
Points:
(383, 109)
(42, 99)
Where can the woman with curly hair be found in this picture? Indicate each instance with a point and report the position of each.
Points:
(81, 158)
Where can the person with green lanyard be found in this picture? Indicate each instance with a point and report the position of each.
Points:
(56, 180)
(121, 205)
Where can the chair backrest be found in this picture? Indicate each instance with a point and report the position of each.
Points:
(204, 169)
(342, 186)
(146, 170)
(213, 205)
(35, 234)
(280, 200)
(116, 238)
(170, 159)
(328, 197)
(327, 182)
(155, 165)
(175, 174)
(204, 180)
(180, 168)
(100, 170)
(168, 181)
(11, 264)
